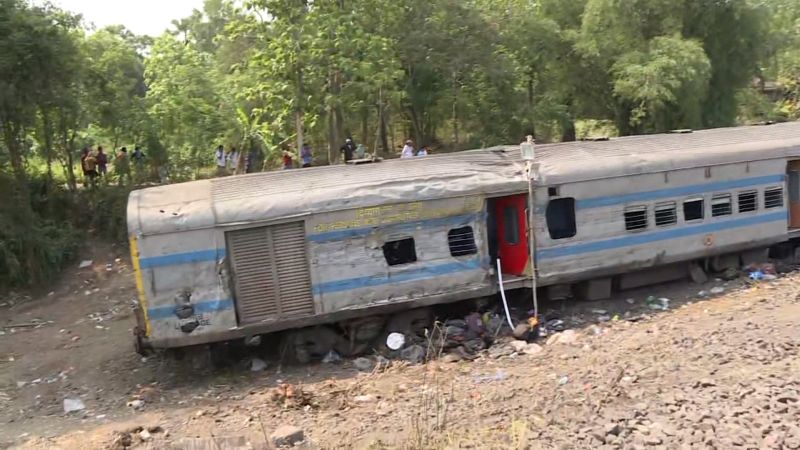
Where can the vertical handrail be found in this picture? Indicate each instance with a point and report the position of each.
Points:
(503, 293)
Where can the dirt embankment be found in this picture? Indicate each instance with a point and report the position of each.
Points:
(715, 373)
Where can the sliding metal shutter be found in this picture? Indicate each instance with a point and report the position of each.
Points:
(271, 273)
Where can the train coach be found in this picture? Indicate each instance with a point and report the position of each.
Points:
(236, 257)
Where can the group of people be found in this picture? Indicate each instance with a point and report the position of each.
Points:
(228, 162)
(231, 160)
(94, 164)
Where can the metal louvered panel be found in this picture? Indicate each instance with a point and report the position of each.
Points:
(270, 269)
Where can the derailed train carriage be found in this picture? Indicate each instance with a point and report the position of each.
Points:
(236, 257)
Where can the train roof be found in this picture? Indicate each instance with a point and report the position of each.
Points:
(492, 171)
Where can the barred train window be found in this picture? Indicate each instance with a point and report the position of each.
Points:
(461, 241)
(693, 209)
(773, 197)
(399, 252)
(666, 214)
(721, 205)
(748, 201)
(635, 218)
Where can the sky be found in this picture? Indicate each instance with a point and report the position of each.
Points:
(150, 17)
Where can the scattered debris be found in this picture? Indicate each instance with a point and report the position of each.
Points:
(717, 290)
(331, 357)
(395, 341)
(657, 303)
(136, 404)
(414, 354)
(257, 365)
(85, 263)
(286, 436)
(500, 375)
(73, 404)
(363, 364)
(565, 337)
(563, 380)
(630, 301)
(364, 398)
(290, 396)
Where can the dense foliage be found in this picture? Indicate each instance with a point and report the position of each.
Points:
(269, 75)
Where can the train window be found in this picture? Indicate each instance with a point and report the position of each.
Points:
(461, 241)
(666, 214)
(773, 197)
(560, 216)
(635, 218)
(511, 222)
(721, 205)
(399, 252)
(693, 209)
(747, 201)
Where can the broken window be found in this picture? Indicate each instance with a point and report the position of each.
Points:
(693, 209)
(399, 252)
(561, 218)
(461, 241)
(747, 201)
(721, 205)
(635, 218)
(773, 197)
(666, 214)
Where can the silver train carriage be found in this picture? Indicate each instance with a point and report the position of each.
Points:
(236, 257)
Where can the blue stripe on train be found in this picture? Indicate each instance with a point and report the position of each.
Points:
(694, 189)
(415, 274)
(204, 307)
(338, 235)
(213, 254)
(645, 238)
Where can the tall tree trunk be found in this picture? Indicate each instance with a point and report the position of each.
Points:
(455, 109)
(365, 125)
(382, 124)
(48, 147)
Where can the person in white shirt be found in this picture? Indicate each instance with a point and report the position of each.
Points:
(423, 151)
(233, 160)
(408, 150)
(219, 156)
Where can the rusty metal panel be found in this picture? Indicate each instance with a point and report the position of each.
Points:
(270, 270)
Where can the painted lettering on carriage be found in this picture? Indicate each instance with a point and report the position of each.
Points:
(405, 212)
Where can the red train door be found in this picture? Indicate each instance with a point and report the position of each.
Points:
(512, 235)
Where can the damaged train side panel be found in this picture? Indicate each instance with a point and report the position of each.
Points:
(219, 283)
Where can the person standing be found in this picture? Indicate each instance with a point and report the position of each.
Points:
(254, 158)
(138, 157)
(102, 162)
(233, 160)
(84, 155)
(408, 150)
(219, 157)
(348, 149)
(122, 166)
(287, 160)
(306, 155)
(90, 163)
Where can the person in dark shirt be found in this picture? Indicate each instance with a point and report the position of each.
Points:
(102, 161)
(348, 149)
